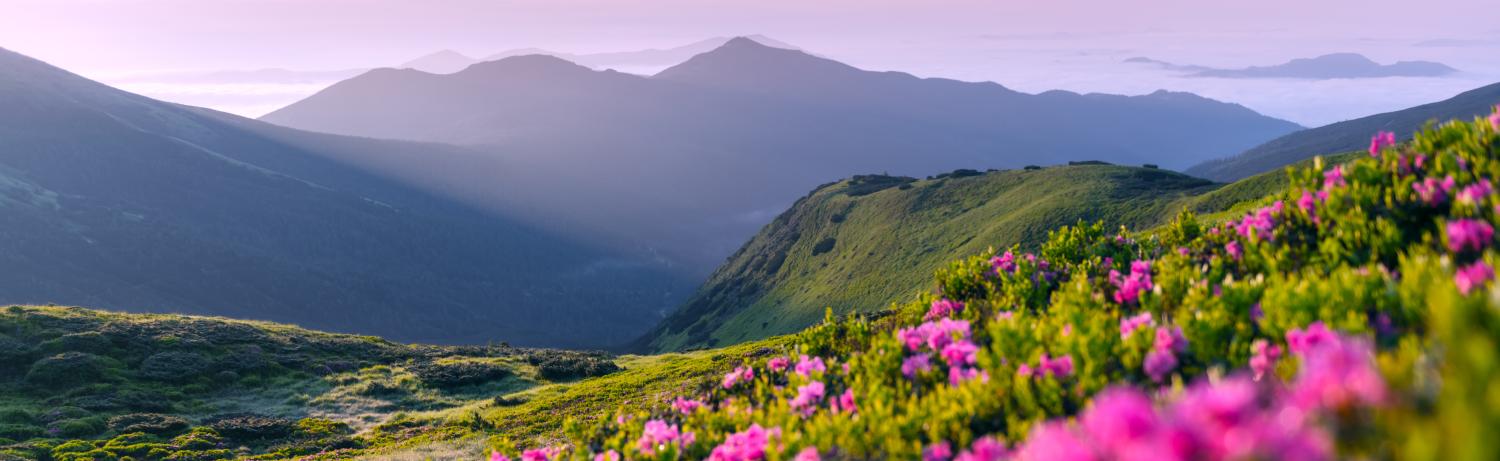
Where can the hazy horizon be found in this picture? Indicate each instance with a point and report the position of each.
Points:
(1027, 47)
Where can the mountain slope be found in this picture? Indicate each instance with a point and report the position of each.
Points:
(853, 245)
(692, 161)
(115, 200)
(1345, 136)
(1328, 66)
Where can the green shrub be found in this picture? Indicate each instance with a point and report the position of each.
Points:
(150, 423)
(91, 342)
(19, 431)
(249, 428)
(66, 370)
(83, 427)
(16, 416)
(459, 373)
(174, 366)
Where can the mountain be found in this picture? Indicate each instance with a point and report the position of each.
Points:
(115, 200)
(642, 61)
(1328, 66)
(441, 62)
(1345, 136)
(853, 245)
(692, 161)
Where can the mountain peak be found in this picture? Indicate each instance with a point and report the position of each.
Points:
(528, 65)
(747, 63)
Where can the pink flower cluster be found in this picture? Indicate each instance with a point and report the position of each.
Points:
(1469, 234)
(1128, 325)
(1128, 288)
(1060, 367)
(1163, 356)
(741, 374)
(1263, 356)
(947, 338)
(1475, 194)
(747, 445)
(686, 406)
(1235, 418)
(1380, 141)
(1473, 276)
(658, 435)
(806, 366)
(778, 364)
(985, 449)
(1495, 119)
(943, 308)
(1004, 263)
(1260, 223)
(1432, 192)
(1334, 177)
(809, 397)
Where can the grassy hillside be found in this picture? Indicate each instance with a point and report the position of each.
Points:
(1356, 316)
(78, 384)
(860, 243)
(1344, 136)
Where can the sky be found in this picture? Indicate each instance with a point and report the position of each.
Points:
(1031, 46)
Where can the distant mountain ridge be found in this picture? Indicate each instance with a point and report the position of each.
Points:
(118, 201)
(1328, 66)
(693, 160)
(639, 61)
(1345, 136)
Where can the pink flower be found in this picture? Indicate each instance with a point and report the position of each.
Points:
(738, 375)
(1024, 371)
(809, 396)
(1060, 367)
(1128, 289)
(1469, 234)
(987, 448)
(960, 353)
(1473, 276)
(1316, 334)
(957, 375)
(608, 456)
(1261, 222)
(1334, 177)
(1433, 192)
(808, 454)
(943, 308)
(940, 451)
(1004, 263)
(845, 403)
(1307, 202)
(807, 365)
(778, 364)
(1158, 363)
(1234, 250)
(685, 406)
(1054, 441)
(540, 454)
(1119, 417)
(1380, 141)
(1170, 339)
(747, 445)
(1475, 194)
(1336, 374)
(1128, 325)
(1495, 119)
(496, 456)
(916, 364)
(1263, 357)
(657, 435)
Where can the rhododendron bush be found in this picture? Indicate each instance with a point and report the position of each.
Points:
(1353, 316)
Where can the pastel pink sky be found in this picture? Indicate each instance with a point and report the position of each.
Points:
(118, 35)
(1031, 46)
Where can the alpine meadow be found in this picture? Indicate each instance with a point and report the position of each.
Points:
(667, 230)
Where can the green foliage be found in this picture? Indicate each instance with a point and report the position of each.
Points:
(855, 249)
